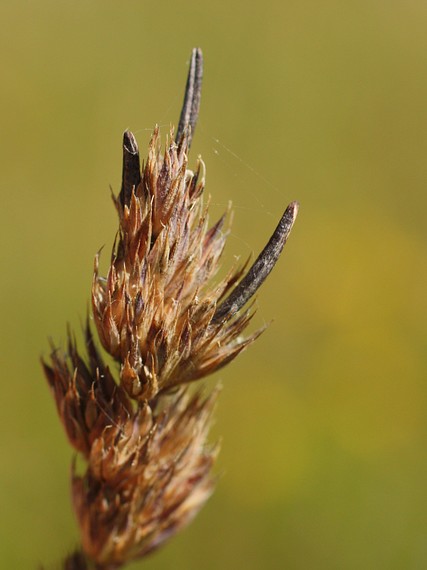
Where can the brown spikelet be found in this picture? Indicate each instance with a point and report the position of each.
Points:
(154, 310)
(86, 395)
(148, 477)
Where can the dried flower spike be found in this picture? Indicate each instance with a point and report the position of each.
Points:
(166, 324)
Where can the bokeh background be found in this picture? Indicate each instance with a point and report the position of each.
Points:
(323, 421)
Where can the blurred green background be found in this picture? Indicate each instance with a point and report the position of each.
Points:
(323, 420)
